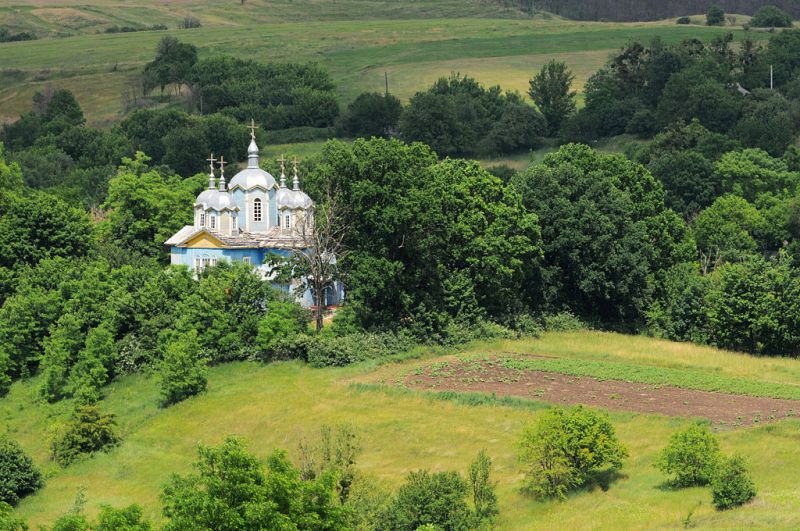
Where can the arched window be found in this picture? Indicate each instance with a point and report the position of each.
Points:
(257, 210)
(213, 222)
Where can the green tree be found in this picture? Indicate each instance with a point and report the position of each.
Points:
(183, 370)
(8, 521)
(372, 114)
(691, 456)
(145, 208)
(551, 90)
(437, 499)
(283, 320)
(10, 174)
(715, 16)
(689, 181)
(566, 449)
(482, 489)
(771, 17)
(605, 231)
(732, 486)
(172, 64)
(679, 311)
(230, 491)
(126, 519)
(752, 172)
(94, 366)
(728, 231)
(18, 476)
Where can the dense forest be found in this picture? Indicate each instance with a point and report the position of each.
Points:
(634, 10)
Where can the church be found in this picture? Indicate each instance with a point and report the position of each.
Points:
(248, 220)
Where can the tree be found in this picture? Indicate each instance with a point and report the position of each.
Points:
(715, 16)
(728, 231)
(771, 17)
(679, 311)
(10, 174)
(172, 64)
(749, 173)
(8, 521)
(229, 490)
(768, 123)
(732, 486)
(691, 456)
(565, 450)
(126, 519)
(605, 231)
(372, 114)
(283, 320)
(427, 498)
(484, 499)
(18, 476)
(550, 90)
(689, 181)
(183, 370)
(94, 366)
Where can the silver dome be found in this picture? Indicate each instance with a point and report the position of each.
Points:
(215, 200)
(250, 178)
(293, 199)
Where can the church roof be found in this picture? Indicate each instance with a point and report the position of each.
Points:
(252, 176)
(272, 239)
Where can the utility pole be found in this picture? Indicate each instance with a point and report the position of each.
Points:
(771, 84)
(386, 81)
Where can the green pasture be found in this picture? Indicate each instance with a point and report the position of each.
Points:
(279, 404)
(358, 41)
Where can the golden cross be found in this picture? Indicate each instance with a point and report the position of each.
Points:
(253, 128)
(294, 163)
(211, 160)
(222, 164)
(282, 160)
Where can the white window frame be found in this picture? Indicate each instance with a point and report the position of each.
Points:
(202, 219)
(234, 222)
(257, 210)
(247, 260)
(288, 220)
(212, 223)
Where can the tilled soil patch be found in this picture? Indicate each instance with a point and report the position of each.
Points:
(490, 377)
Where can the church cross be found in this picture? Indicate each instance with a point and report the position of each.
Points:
(294, 163)
(282, 160)
(222, 164)
(252, 128)
(211, 160)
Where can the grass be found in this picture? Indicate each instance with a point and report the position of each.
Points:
(277, 405)
(357, 40)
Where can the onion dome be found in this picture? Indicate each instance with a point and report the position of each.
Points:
(294, 198)
(252, 176)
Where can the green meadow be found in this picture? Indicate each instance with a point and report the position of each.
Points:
(279, 404)
(414, 43)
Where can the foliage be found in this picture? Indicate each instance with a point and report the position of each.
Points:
(88, 431)
(230, 490)
(715, 16)
(728, 230)
(550, 90)
(8, 522)
(679, 312)
(566, 449)
(427, 498)
(183, 370)
(126, 519)
(458, 116)
(372, 114)
(771, 17)
(338, 351)
(172, 64)
(731, 485)
(334, 454)
(691, 457)
(605, 231)
(18, 476)
(482, 489)
(683, 20)
(283, 320)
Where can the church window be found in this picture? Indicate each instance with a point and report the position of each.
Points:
(197, 263)
(288, 219)
(234, 221)
(246, 260)
(213, 261)
(257, 210)
(206, 262)
(202, 219)
(213, 222)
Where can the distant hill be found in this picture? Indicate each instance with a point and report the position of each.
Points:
(636, 10)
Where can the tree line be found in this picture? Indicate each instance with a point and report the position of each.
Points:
(635, 10)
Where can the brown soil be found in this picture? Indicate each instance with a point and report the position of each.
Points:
(488, 377)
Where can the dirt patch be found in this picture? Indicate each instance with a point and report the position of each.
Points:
(488, 376)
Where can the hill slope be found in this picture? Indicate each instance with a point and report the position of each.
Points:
(633, 10)
(279, 404)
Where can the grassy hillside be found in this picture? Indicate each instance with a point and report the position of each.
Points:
(276, 405)
(414, 42)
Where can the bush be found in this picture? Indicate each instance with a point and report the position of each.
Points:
(684, 20)
(372, 114)
(87, 432)
(296, 135)
(326, 351)
(183, 371)
(128, 519)
(568, 448)
(771, 17)
(283, 320)
(18, 476)
(429, 498)
(562, 322)
(692, 456)
(732, 486)
(715, 16)
(8, 522)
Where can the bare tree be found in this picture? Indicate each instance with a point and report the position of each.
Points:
(317, 262)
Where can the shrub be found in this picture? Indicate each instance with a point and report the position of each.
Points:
(562, 322)
(684, 20)
(372, 114)
(715, 16)
(183, 371)
(127, 519)
(283, 320)
(691, 456)
(8, 522)
(482, 489)
(189, 23)
(88, 431)
(18, 476)
(429, 498)
(339, 351)
(732, 486)
(566, 449)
